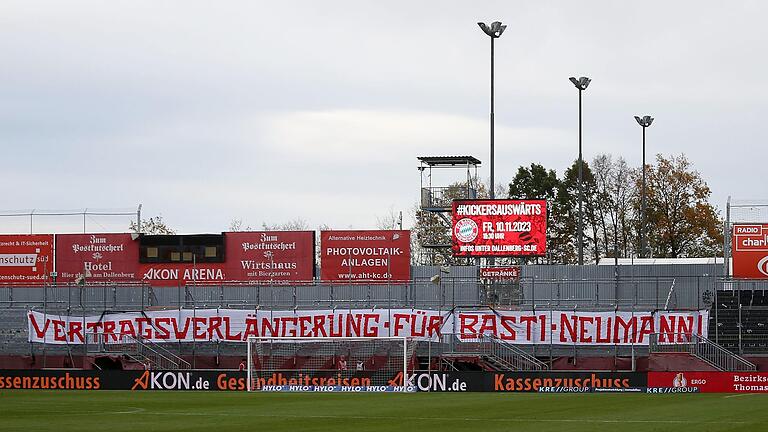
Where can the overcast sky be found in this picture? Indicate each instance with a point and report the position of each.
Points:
(270, 111)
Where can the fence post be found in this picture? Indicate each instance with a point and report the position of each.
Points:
(717, 326)
(597, 293)
(741, 351)
(698, 293)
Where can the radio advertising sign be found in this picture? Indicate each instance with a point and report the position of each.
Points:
(270, 256)
(750, 251)
(365, 256)
(499, 228)
(25, 259)
(100, 257)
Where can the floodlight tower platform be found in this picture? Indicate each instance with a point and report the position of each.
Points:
(438, 198)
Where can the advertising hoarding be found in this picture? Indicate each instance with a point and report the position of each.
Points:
(175, 274)
(137, 380)
(526, 382)
(499, 228)
(508, 273)
(101, 257)
(25, 259)
(265, 256)
(750, 251)
(708, 382)
(380, 256)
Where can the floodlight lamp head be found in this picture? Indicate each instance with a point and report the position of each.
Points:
(582, 83)
(494, 30)
(644, 121)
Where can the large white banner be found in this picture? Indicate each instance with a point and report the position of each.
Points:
(236, 325)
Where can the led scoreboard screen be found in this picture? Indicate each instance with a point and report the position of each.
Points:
(499, 228)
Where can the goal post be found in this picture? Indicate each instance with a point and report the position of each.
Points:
(355, 364)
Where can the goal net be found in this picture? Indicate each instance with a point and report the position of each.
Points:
(330, 364)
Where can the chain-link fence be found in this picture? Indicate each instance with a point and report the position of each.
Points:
(738, 308)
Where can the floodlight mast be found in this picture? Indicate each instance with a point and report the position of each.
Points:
(581, 84)
(644, 122)
(494, 31)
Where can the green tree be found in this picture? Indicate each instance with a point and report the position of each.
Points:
(566, 207)
(536, 182)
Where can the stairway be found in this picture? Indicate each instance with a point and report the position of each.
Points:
(701, 348)
(149, 354)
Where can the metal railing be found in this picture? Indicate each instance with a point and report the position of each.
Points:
(701, 348)
(442, 197)
(148, 353)
(495, 351)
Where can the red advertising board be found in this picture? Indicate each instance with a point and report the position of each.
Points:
(499, 228)
(750, 251)
(103, 257)
(365, 256)
(25, 259)
(709, 382)
(510, 273)
(265, 256)
(174, 274)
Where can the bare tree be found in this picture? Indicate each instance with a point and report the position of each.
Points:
(237, 225)
(391, 221)
(153, 226)
(297, 224)
(614, 181)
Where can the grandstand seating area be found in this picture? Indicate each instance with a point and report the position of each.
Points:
(739, 329)
(747, 326)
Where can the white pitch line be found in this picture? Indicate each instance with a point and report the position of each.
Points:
(737, 395)
(468, 419)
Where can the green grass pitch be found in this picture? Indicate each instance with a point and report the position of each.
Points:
(221, 412)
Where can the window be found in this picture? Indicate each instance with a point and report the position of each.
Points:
(199, 248)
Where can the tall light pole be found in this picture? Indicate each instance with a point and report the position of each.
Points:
(582, 83)
(494, 31)
(644, 122)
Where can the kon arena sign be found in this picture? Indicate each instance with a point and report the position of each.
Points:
(499, 228)
(750, 251)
